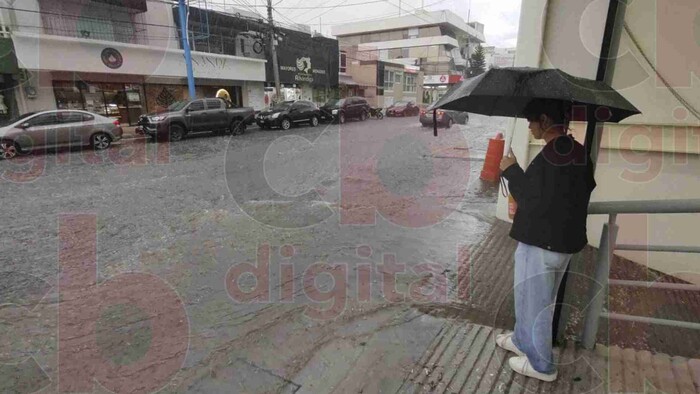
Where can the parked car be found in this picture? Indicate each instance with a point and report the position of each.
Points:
(445, 118)
(57, 128)
(339, 110)
(183, 117)
(288, 113)
(403, 108)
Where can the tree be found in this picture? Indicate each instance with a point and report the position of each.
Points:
(477, 63)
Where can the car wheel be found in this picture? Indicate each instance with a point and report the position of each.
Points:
(449, 123)
(286, 124)
(363, 116)
(341, 117)
(236, 127)
(8, 150)
(176, 133)
(100, 141)
(314, 121)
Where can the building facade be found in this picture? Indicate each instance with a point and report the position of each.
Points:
(308, 64)
(120, 59)
(499, 57)
(381, 82)
(436, 42)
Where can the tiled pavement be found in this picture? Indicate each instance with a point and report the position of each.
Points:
(463, 358)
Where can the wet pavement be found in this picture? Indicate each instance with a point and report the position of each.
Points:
(243, 261)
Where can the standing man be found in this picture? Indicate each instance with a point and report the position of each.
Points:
(549, 225)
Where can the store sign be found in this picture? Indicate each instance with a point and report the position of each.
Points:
(47, 52)
(435, 79)
(442, 79)
(306, 59)
(203, 61)
(112, 58)
(303, 72)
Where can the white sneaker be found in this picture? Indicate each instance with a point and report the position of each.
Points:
(506, 342)
(522, 366)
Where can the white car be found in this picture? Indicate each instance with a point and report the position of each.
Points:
(57, 128)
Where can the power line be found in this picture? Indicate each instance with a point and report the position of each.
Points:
(323, 13)
(82, 17)
(383, 16)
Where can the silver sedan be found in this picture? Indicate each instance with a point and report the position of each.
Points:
(57, 128)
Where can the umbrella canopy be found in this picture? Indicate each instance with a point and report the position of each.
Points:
(507, 91)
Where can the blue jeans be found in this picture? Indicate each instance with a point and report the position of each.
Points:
(538, 274)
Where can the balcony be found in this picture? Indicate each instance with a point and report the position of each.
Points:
(133, 6)
(106, 22)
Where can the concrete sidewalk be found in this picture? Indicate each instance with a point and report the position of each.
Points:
(435, 348)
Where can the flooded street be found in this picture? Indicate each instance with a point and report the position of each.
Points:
(239, 260)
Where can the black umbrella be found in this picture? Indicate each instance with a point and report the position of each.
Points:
(507, 91)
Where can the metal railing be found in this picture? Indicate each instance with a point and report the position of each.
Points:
(605, 255)
(119, 28)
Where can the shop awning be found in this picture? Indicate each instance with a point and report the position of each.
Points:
(347, 80)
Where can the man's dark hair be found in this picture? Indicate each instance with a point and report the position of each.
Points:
(559, 111)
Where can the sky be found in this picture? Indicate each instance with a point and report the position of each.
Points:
(500, 17)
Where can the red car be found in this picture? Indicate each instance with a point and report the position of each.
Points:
(403, 108)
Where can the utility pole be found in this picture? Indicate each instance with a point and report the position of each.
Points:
(186, 46)
(469, 42)
(275, 65)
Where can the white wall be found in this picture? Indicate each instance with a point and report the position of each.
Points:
(655, 156)
(47, 52)
(44, 99)
(254, 95)
(160, 13)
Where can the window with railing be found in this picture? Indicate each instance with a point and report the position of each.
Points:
(97, 22)
(409, 83)
(392, 77)
(343, 62)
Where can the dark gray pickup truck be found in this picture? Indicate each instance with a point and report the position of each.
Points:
(183, 117)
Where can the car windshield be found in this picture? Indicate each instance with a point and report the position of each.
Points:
(178, 105)
(16, 119)
(335, 102)
(401, 104)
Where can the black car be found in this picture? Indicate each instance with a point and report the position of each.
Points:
(288, 113)
(445, 118)
(340, 110)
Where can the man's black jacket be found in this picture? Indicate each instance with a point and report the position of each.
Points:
(553, 196)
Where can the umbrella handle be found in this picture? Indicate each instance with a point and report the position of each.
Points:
(504, 187)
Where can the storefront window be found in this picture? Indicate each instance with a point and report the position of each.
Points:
(94, 100)
(68, 96)
(134, 100)
(114, 100)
